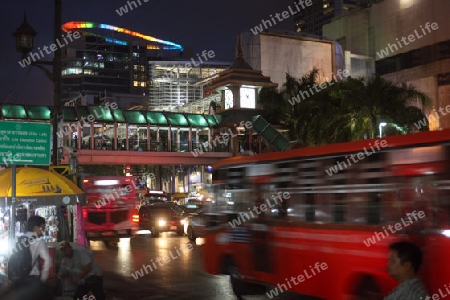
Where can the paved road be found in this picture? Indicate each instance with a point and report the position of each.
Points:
(177, 275)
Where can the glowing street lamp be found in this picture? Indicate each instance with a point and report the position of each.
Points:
(382, 124)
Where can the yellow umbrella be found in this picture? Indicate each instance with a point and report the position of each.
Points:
(40, 187)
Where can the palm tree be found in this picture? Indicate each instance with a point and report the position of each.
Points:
(374, 100)
(344, 111)
(279, 109)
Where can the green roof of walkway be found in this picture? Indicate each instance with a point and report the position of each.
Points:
(107, 115)
(269, 133)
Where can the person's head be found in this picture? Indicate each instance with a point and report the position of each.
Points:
(405, 259)
(36, 224)
(66, 249)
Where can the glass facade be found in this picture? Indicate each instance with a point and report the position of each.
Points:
(414, 58)
(173, 84)
(100, 70)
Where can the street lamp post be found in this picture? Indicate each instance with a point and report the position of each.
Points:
(24, 43)
(382, 124)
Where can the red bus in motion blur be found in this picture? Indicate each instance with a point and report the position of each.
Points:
(110, 212)
(280, 215)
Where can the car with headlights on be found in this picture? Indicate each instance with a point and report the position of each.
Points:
(194, 221)
(161, 217)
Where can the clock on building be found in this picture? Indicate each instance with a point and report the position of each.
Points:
(228, 99)
(247, 98)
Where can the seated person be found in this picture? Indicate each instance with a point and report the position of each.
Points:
(78, 266)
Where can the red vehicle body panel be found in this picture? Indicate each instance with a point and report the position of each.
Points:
(417, 164)
(111, 209)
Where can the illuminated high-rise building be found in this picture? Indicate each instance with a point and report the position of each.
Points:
(175, 83)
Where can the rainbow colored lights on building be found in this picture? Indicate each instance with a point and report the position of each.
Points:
(164, 45)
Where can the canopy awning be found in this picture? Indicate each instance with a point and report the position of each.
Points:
(40, 187)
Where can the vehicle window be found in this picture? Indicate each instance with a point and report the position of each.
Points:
(190, 208)
(235, 178)
(193, 206)
(159, 210)
(177, 209)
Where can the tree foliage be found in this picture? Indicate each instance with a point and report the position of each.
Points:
(344, 110)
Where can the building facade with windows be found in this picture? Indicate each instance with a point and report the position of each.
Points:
(99, 68)
(173, 84)
(94, 69)
(409, 43)
(320, 12)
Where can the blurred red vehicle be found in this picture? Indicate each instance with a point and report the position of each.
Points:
(111, 211)
(339, 219)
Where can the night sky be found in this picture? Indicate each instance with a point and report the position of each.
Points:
(200, 24)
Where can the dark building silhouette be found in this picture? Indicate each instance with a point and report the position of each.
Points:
(313, 17)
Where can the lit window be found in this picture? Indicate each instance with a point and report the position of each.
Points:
(72, 71)
(247, 98)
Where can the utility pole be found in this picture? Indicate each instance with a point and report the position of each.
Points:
(57, 112)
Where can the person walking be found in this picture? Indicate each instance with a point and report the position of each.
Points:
(38, 247)
(405, 259)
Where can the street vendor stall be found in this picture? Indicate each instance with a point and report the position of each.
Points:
(44, 193)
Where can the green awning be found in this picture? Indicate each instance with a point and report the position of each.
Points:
(176, 119)
(280, 142)
(101, 113)
(197, 120)
(118, 115)
(156, 118)
(134, 117)
(269, 133)
(14, 111)
(212, 120)
(39, 112)
(83, 113)
(259, 124)
(70, 114)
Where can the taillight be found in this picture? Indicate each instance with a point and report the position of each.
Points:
(85, 214)
(135, 218)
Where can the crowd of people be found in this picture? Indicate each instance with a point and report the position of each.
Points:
(29, 266)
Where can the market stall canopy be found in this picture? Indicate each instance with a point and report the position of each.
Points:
(40, 187)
